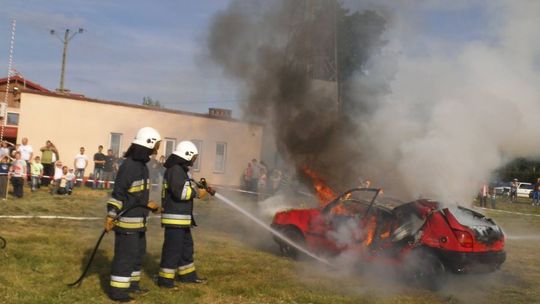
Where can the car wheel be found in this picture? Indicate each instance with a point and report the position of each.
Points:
(425, 269)
(293, 234)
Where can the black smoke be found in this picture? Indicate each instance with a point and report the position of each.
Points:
(284, 52)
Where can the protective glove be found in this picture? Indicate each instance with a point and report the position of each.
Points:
(153, 206)
(205, 186)
(109, 223)
(202, 193)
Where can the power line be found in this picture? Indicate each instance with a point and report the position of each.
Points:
(65, 41)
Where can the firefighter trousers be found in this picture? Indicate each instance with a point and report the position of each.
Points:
(177, 257)
(129, 250)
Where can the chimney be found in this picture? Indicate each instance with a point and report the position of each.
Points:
(220, 113)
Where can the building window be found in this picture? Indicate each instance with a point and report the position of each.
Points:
(116, 143)
(221, 156)
(197, 165)
(170, 145)
(13, 119)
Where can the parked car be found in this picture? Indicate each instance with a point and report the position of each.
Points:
(524, 189)
(502, 189)
(424, 239)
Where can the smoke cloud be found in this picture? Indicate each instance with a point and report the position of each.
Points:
(457, 109)
(279, 50)
(426, 115)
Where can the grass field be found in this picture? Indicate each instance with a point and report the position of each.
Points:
(240, 260)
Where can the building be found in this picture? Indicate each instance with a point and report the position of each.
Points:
(70, 121)
(16, 84)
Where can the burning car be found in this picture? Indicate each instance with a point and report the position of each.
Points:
(424, 238)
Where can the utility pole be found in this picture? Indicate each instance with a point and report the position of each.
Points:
(65, 41)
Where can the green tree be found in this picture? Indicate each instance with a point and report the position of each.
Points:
(149, 102)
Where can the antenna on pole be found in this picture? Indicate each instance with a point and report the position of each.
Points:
(65, 41)
(4, 104)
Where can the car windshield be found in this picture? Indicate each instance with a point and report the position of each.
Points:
(526, 186)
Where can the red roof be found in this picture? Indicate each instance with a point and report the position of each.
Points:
(26, 83)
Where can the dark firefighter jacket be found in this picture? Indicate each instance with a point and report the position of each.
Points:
(177, 194)
(131, 187)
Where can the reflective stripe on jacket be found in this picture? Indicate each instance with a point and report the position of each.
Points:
(131, 188)
(177, 198)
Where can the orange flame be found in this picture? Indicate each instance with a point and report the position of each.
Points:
(324, 193)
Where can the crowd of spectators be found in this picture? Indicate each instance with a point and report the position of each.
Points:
(258, 179)
(19, 166)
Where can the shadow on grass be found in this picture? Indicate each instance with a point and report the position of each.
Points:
(100, 266)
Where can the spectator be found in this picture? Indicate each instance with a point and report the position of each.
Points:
(99, 164)
(36, 171)
(247, 177)
(49, 155)
(27, 153)
(275, 180)
(58, 173)
(80, 163)
(256, 172)
(536, 193)
(493, 197)
(153, 170)
(261, 185)
(513, 190)
(63, 185)
(4, 171)
(109, 169)
(4, 150)
(70, 179)
(15, 149)
(483, 195)
(18, 172)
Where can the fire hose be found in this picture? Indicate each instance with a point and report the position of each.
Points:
(78, 282)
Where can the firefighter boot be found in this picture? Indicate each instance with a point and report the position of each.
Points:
(137, 289)
(122, 298)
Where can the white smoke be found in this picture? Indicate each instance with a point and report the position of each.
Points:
(457, 109)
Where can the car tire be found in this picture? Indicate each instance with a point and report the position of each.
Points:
(425, 269)
(293, 234)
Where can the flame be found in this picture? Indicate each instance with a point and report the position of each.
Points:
(324, 193)
(370, 230)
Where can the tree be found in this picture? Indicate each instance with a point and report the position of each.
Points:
(149, 102)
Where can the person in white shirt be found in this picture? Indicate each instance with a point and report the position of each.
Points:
(26, 152)
(80, 163)
(57, 178)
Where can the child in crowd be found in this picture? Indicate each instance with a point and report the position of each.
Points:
(36, 171)
(57, 177)
(4, 171)
(70, 178)
(18, 172)
(64, 183)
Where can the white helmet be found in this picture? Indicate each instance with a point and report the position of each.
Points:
(147, 137)
(186, 150)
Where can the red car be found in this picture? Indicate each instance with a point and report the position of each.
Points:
(423, 238)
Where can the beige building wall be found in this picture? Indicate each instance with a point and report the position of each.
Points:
(74, 122)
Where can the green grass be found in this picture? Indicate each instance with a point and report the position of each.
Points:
(240, 260)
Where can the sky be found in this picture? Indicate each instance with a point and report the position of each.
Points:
(129, 50)
(132, 48)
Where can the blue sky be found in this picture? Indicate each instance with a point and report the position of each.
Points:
(133, 48)
(130, 49)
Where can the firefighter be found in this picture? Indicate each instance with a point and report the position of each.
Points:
(178, 193)
(131, 191)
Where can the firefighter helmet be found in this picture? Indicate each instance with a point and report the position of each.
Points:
(147, 137)
(187, 150)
